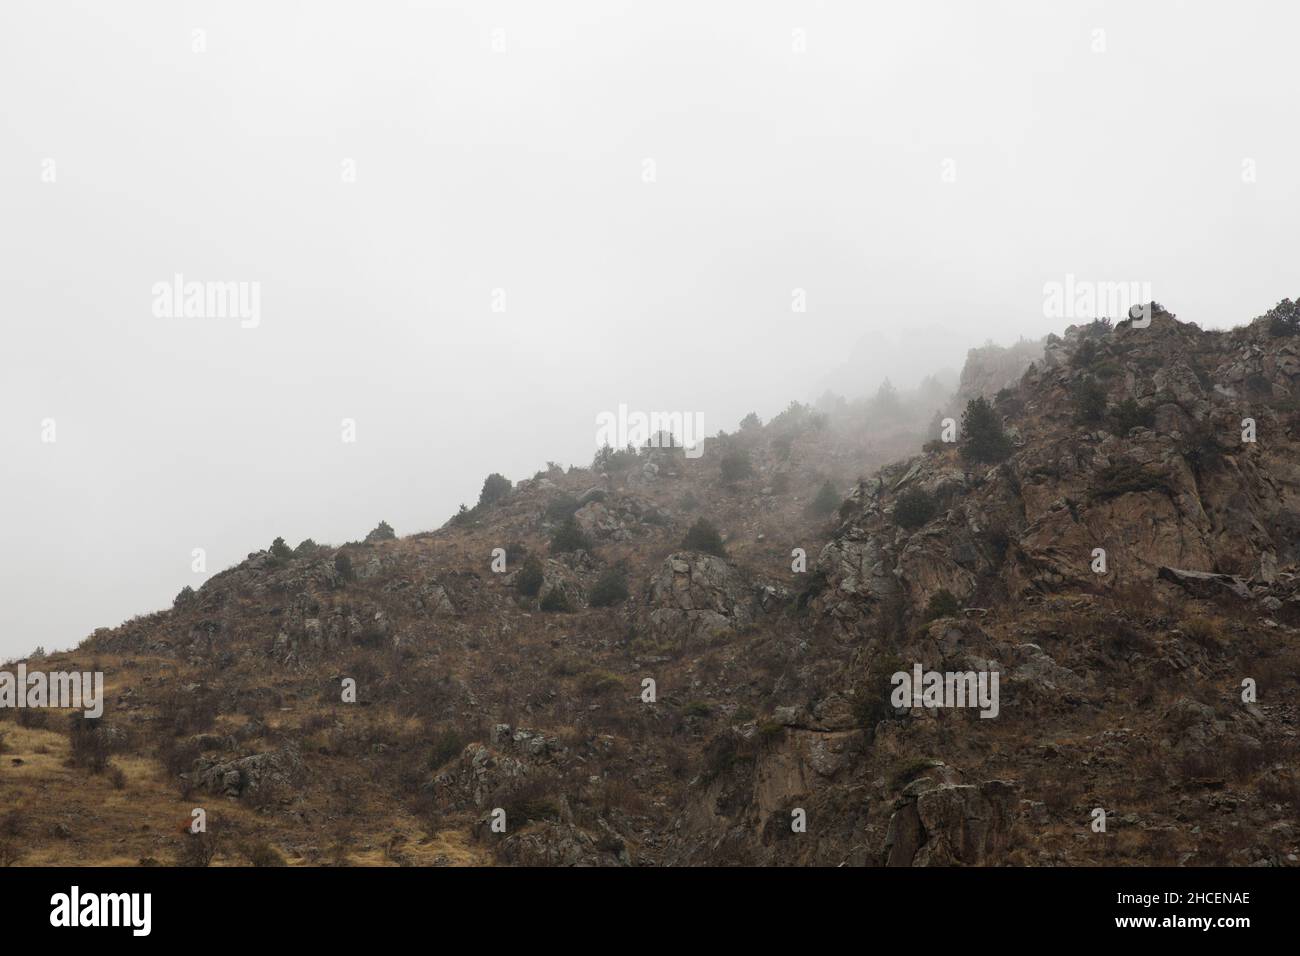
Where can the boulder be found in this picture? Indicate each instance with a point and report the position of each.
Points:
(1207, 584)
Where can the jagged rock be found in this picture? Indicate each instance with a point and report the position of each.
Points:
(1207, 584)
(933, 562)
(314, 632)
(617, 518)
(595, 519)
(371, 568)
(904, 836)
(557, 575)
(435, 600)
(1042, 676)
(953, 824)
(856, 570)
(992, 368)
(276, 772)
(563, 844)
(788, 716)
(590, 495)
(696, 594)
(479, 773)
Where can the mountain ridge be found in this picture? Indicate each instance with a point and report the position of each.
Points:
(1121, 688)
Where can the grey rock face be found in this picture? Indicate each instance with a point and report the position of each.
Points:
(1207, 583)
(953, 824)
(694, 594)
(250, 776)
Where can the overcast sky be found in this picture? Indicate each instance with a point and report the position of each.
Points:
(475, 226)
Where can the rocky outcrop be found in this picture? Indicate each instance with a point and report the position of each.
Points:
(1206, 584)
(620, 518)
(257, 776)
(1178, 489)
(953, 824)
(517, 782)
(563, 844)
(694, 595)
(991, 368)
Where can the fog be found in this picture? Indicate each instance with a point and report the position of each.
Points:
(473, 227)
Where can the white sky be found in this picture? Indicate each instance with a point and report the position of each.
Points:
(523, 170)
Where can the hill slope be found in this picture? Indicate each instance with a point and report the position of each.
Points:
(481, 688)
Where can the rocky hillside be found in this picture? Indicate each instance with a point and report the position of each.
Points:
(581, 657)
(991, 368)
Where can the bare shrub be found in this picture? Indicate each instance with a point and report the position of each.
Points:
(89, 745)
(177, 756)
(197, 849)
(11, 851)
(262, 853)
(33, 718)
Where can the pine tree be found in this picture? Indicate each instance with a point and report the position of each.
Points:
(569, 536)
(982, 437)
(495, 487)
(827, 500)
(702, 536)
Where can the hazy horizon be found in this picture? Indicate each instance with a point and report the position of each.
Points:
(474, 227)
